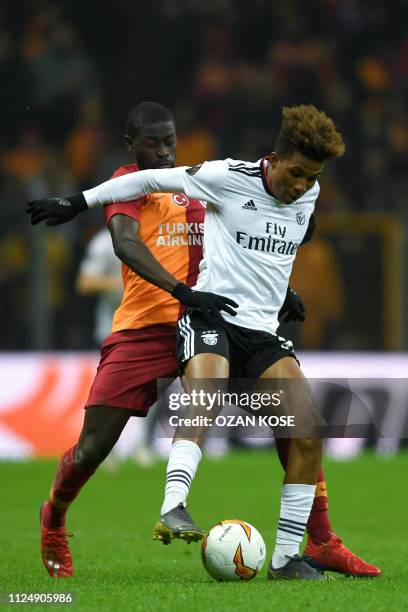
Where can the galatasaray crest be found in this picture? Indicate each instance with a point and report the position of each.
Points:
(180, 199)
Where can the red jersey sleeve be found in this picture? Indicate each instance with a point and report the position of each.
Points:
(131, 208)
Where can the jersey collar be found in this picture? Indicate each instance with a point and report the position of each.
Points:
(268, 190)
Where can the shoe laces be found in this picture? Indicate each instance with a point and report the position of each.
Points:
(56, 541)
(183, 509)
(296, 558)
(335, 541)
(338, 543)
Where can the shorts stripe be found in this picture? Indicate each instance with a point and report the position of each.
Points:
(192, 335)
(187, 332)
(183, 334)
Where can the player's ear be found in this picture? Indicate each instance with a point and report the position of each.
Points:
(129, 142)
(273, 159)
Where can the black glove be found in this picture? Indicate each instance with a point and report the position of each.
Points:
(292, 308)
(55, 211)
(210, 304)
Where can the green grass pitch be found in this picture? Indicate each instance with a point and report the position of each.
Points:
(119, 567)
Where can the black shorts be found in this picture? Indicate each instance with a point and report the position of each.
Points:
(249, 352)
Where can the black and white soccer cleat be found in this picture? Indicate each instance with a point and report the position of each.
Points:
(177, 523)
(295, 569)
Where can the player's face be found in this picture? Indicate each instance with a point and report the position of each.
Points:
(290, 177)
(155, 147)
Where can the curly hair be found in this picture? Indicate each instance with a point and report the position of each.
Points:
(309, 131)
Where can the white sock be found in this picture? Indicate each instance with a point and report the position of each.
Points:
(181, 468)
(296, 504)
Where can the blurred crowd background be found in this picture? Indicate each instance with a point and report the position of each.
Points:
(70, 72)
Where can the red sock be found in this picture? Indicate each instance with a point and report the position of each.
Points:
(67, 483)
(318, 526)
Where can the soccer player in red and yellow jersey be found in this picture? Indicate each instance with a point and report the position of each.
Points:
(159, 240)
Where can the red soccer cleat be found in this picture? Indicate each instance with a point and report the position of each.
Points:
(55, 551)
(333, 556)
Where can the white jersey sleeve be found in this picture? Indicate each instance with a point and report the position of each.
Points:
(204, 182)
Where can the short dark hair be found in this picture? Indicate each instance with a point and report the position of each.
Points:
(309, 131)
(145, 114)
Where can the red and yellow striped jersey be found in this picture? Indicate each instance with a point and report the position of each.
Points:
(172, 227)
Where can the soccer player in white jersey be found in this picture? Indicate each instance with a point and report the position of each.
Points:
(256, 217)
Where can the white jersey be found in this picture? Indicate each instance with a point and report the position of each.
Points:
(100, 260)
(250, 238)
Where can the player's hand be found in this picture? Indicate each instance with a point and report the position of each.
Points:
(293, 308)
(210, 304)
(55, 211)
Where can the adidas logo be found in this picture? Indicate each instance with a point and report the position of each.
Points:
(249, 205)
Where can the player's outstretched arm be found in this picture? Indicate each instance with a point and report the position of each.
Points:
(137, 256)
(205, 185)
(134, 185)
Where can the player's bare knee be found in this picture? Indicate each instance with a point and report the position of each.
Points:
(88, 456)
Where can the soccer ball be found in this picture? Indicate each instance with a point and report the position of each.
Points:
(233, 550)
